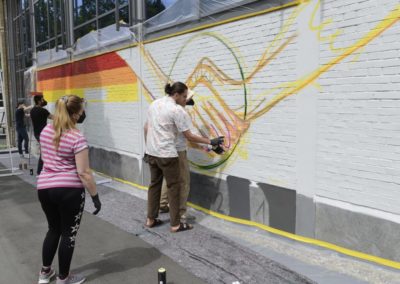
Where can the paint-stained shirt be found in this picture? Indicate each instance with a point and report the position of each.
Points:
(59, 166)
(165, 120)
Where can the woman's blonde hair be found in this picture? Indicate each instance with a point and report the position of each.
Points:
(66, 107)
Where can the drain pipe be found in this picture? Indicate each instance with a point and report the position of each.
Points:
(5, 69)
(140, 16)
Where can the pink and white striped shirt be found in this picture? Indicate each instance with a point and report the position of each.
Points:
(59, 166)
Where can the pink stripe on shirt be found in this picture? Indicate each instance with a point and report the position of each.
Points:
(59, 166)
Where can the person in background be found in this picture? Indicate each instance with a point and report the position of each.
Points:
(165, 119)
(61, 187)
(39, 116)
(22, 134)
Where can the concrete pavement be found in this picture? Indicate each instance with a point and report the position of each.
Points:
(109, 254)
(104, 253)
(216, 251)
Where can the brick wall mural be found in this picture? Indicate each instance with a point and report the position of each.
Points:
(307, 98)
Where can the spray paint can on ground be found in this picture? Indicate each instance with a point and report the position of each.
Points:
(162, 276)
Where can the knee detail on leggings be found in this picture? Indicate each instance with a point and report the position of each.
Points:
(54, 231)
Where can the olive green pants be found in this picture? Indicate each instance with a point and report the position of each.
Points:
(169, 169)
(184, 193)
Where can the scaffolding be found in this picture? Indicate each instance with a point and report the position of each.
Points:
(5, 136)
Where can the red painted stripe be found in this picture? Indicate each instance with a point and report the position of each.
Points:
(94, 64)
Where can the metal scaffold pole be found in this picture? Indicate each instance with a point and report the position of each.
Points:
(7, 171)
(5, 124)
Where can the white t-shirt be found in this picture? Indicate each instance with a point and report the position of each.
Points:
(165, 119)
(181, 144)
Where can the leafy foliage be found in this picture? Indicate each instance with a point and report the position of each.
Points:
(153, 7)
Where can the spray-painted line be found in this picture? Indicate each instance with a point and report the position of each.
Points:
(311, 241)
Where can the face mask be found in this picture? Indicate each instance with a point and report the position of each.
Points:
(44, 103)
(82, 117)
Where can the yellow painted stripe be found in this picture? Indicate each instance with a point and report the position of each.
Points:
(353, 253)
(122, 93)
(116, 93)
(122, 181)
(53, 96)
(199, 28)
(349, 252)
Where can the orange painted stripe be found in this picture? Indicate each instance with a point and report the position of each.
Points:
(85, 66)
(117, 76)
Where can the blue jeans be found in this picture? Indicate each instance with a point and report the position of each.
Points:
(23, 136)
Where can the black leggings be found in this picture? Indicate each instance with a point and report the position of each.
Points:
(63, 208)
(40, 162)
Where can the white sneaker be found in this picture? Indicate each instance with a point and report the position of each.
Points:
(45, 278)
(72, 279)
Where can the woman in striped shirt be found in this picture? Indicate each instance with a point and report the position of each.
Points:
(61, 187)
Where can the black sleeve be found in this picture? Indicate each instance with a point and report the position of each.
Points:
(20, 113)
(45, 112)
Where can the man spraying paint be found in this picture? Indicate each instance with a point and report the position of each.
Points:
(165, 119)
(181, 147)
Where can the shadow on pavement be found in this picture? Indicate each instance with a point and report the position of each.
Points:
(119, 261)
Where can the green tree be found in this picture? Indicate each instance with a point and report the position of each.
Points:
(85, 12)
(153, 7)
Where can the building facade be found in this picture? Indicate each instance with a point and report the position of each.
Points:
(307, 94)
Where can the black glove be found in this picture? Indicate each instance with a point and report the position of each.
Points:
(218, 149)
(146, 158)
(217, 141)
(96, 203)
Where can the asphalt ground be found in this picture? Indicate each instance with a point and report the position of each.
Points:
(115, 247)
(104, 253)
(222, 251)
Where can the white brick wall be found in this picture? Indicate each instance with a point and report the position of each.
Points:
(356, 110)
(358, 159)
(271, 138)
(114, 126)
